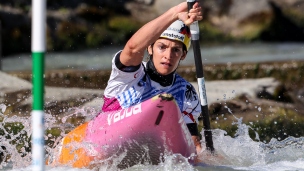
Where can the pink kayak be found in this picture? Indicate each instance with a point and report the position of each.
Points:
(142, 133)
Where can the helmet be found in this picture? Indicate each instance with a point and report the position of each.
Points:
(178, 31)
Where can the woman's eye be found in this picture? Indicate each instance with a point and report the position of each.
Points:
(162, 47)
(177, 49)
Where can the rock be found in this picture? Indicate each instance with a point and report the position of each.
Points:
(293, 9)
(145, 12)
(13, 90)
(9, 83)
(16, 94)
(300, 94)
(59, 101)
(71, 24)
(298, 98)
(15, 30)
(218, 91)
(76, 105)
(10, 15)
(239, 18)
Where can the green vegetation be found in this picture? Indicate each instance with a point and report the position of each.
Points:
(285, 123)
(211, 34)
(280, 125)
(126, 26)
(13, 132)
(98, 36)
(73, 35)
(296, 16)
(288, 72)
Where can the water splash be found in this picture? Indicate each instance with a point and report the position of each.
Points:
(3, 108)
(290, 148)
(242, 152)
(239, 152)
(15, 142)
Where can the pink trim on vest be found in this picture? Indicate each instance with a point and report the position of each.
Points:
(110, 104)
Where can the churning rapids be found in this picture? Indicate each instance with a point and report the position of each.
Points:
(239, 152)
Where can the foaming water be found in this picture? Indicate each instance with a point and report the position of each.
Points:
(232, 153)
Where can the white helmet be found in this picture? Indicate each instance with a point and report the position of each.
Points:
(178, 31)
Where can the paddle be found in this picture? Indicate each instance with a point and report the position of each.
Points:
(200, 79)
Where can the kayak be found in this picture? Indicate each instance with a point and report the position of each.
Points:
(139, 134)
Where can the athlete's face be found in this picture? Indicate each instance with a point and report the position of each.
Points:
(166, 55)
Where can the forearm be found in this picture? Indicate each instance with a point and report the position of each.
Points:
(151, 31)
(195, 136)
(134, 50)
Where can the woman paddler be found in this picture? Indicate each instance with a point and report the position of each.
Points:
(167, 39)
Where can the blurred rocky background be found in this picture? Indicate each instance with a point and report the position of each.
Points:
(80, 24)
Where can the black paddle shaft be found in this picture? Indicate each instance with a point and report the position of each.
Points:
(201, 82)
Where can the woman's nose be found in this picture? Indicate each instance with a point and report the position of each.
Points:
(168, 53)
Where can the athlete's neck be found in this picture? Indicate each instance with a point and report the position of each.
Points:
(163, 80)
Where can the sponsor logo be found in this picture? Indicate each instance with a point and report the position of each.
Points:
(185, 30)
(174, 36)
(125, 113)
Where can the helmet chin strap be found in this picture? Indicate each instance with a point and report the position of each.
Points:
(163, 80)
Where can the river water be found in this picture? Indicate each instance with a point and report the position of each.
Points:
(239, 152)
(101, 58)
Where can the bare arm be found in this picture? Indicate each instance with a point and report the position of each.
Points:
(133, 52)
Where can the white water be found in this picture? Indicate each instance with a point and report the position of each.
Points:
(232, 153)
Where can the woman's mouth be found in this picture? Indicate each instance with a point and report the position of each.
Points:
(166, 64)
